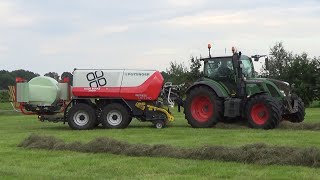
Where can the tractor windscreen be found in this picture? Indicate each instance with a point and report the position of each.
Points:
(217, 68)
(221, 68)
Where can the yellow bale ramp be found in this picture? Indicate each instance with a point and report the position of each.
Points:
(12, 93)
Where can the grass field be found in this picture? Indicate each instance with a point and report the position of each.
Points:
(315, 104)
(19, 163)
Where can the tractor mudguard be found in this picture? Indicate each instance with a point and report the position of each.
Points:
(216, 87)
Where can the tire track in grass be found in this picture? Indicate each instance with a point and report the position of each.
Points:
(300, 126)
(283, 125)
(259, 153)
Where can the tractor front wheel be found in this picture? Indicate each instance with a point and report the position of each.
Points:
(263, 112)
(298, 116)
(203, 108)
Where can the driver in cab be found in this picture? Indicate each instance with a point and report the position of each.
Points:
(224, 69)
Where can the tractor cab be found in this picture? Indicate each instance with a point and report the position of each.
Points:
(224, 70)
(218, 68)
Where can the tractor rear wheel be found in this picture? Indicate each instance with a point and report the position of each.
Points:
(298, 116)
(203, 108)
(81, 117)
(115, 116)
(263, 112)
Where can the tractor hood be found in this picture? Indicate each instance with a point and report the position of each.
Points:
(283, 86)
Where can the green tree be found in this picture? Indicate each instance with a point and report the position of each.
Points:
(316, 62)
(303, 74)
(195, 66)
(279, 61)
(6, 79)
(165, 76)
(67, 75)
(25, 74)
(177, 73)
(53, 75)
(295, 69)
(4, 96)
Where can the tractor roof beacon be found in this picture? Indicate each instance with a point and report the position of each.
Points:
(230, 90)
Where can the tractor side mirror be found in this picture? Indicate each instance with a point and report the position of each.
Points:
(257, 57)
(267, 63)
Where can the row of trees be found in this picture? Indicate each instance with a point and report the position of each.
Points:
(9, 78)
(179, 73)
(299, 69)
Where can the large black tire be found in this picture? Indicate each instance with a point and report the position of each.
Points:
(263, 112)
(203, 109)
(81, 117)
(115, 116)
(298, 116)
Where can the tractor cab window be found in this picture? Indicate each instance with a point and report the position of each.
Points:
(247, 70)
(219, 68)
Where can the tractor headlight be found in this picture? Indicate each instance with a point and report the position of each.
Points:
(283, 93)
(286, 83)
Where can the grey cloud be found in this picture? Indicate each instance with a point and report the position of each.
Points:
(135, 34)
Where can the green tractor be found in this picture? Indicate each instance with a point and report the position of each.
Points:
(229, 90)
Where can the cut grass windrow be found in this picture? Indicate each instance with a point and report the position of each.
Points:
(260, 153)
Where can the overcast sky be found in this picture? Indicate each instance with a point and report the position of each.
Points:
(60, 35)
